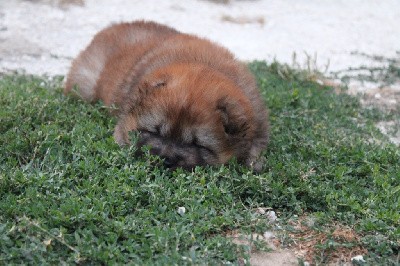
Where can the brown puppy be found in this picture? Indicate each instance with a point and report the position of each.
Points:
(191, 101)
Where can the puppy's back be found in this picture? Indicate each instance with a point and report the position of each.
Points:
(87, 67)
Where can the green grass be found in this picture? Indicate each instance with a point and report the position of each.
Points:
(69, 194)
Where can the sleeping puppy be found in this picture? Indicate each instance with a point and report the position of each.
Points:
(191, 100)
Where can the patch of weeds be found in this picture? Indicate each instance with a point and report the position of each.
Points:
(323, 243)
(386, 75)
(310, 69)
(69, 194)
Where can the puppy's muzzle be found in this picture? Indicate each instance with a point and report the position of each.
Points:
(170, 159)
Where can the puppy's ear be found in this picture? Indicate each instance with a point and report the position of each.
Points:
(135, 96)
(235, 116)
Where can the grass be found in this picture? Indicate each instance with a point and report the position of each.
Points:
(69, 194)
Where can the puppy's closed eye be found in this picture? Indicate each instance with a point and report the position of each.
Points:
(202, 146)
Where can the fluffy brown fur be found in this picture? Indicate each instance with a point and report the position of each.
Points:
(191, 101)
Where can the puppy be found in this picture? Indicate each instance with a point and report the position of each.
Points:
(191, 100)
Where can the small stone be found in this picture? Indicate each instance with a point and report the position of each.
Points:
(271, 215)
(268, 235)
(378, 96)
(47, 242)
(260, 211)
(358, 258)
(181, 210)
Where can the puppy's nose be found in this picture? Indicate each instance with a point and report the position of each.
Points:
(169, 162)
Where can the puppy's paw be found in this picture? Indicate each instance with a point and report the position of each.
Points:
(121, 135)
(256, 164)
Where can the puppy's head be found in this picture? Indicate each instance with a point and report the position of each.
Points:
(192, 115)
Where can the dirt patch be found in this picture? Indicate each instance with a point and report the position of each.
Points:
(336, 244)
(281, 257)
(275, 255)
(385, 97)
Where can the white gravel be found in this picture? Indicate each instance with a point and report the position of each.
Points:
(40, 37)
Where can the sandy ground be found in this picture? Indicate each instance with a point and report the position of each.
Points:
(42, 36)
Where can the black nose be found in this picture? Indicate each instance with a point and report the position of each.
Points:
(169, 162)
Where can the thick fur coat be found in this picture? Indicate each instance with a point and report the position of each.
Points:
(191, 100)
